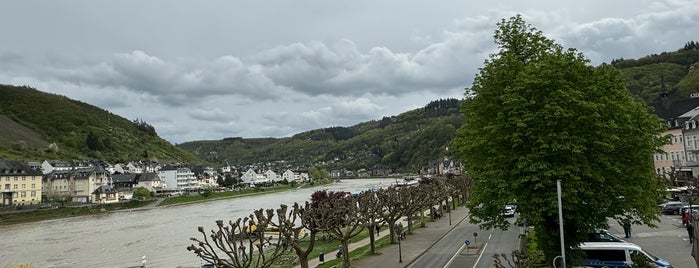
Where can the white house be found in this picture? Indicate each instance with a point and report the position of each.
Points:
(271, 176)
(288, 175)
(249, 176)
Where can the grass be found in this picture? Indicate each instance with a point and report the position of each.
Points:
(329, 245)
(233, 194)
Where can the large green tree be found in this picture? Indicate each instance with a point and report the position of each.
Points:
(539, 114)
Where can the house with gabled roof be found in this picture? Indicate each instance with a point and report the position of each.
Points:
(105, 194)
(271, 176)
(50, 165)
(249, 176)
(288, 175)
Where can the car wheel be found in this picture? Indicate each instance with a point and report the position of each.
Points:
(676, 212)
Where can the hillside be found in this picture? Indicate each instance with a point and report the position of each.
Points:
(36, 125)
(405, 143)
(675, 72)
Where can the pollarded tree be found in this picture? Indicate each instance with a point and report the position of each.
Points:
(391, 208)
(343, 221)
(370, 209)
(242, 243)
(305, 215)
(540, 114)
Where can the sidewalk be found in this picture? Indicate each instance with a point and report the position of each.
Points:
(412, 247)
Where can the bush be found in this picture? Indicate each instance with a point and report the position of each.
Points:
(142, 192)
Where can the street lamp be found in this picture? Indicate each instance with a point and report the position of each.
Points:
(449, 208)
(399, 230)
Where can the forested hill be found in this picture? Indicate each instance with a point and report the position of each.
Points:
(35, 126)
(404, 143)
(677, 73)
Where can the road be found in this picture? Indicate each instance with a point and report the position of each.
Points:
(452, 251)
(668, 241)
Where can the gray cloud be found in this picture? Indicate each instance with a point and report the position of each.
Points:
(214, 75)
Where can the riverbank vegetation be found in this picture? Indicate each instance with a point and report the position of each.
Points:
(34, 215)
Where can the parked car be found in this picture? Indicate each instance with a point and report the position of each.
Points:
(617, 254)
(603, 236)
(509, 211)
(672, 208)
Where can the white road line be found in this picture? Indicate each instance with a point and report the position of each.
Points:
(454, 256)
(480, 255)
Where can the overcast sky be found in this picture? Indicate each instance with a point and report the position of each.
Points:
(206, 70)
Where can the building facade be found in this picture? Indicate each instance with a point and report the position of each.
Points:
(21, 185)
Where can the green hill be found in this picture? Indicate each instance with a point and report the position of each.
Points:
(37, 125)
(404, 143)
(678, 71)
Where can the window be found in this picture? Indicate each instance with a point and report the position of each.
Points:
(7, 187)
(33, 193)
(606, 254)
(24, 178)
(23, 194)
(24, 186)
(15, 187)
(16, 178)
(33, 186)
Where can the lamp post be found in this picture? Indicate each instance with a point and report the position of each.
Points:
(399, 230)
(449, 208)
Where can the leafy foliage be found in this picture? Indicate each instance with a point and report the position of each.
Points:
(79, 130)
(142, 192)
(540, 115)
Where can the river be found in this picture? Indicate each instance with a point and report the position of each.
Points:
(120, 239)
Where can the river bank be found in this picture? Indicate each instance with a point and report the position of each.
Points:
(35, 215)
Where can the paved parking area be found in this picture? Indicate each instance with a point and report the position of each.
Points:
(668, 241)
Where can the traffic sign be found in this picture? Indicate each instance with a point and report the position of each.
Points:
(467, 242)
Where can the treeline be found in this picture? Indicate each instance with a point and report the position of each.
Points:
(685, 56)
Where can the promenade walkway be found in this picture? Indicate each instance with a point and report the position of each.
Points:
(412, 247)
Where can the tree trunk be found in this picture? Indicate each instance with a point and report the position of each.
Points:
(372, 239)
(345, 254)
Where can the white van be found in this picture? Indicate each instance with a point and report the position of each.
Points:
(616, 254)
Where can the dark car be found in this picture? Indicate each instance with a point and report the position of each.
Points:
(603, 236)
(672, 208)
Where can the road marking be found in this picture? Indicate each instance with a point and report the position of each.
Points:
(480, 255)
(458, 252)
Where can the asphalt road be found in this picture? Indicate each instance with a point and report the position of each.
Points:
(668, 241)
(452, 251)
